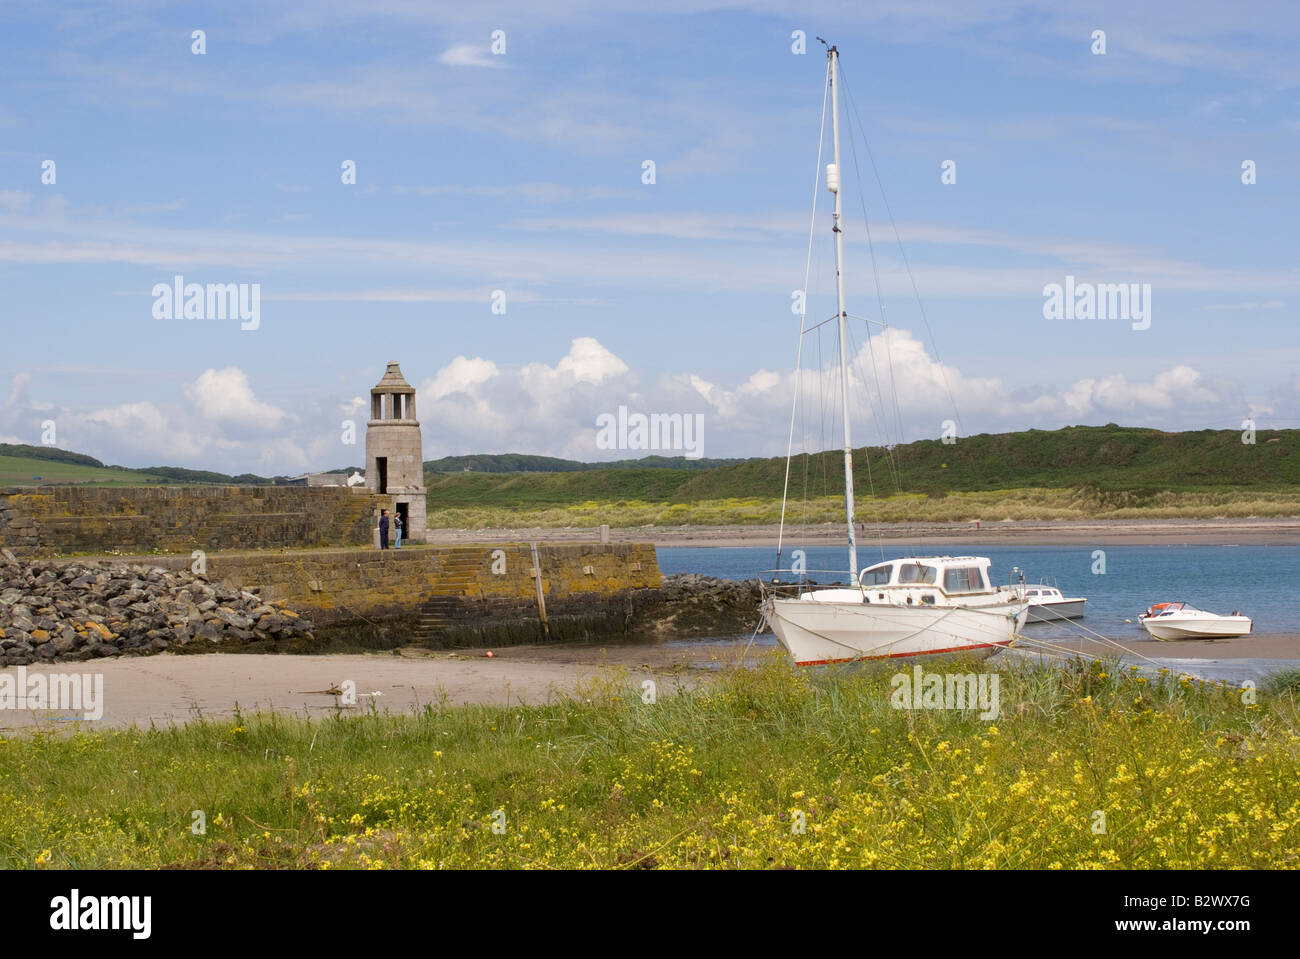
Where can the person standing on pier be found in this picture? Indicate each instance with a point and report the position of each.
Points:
(383, 529)
(397, 530)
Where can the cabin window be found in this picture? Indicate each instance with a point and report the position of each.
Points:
(916, 573)
(963, 579)
(877, 575)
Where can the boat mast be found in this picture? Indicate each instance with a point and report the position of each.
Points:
(833, 184)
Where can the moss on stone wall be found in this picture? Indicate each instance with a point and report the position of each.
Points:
(368, 598)
(75, 519)
(277, 541)
(337, 584)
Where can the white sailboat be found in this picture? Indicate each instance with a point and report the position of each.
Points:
(911, 607)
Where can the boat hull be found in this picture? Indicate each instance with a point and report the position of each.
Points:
(819, 633)
(1044, 613)
(1218, 627)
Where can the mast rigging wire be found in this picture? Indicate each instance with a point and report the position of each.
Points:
(803, 311)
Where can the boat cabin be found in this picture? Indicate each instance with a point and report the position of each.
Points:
(920, 581)
(952, 574)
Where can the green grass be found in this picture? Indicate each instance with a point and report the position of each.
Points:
(18, 467)
(1074, 473)
(22, 470)
(1187, 776)
(1107, 459)
(988, 506)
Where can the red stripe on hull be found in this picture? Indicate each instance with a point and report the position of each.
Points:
(924, 652)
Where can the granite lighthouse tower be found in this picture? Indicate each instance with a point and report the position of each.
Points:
(394, 459)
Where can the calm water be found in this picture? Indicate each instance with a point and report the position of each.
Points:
(1260, 581)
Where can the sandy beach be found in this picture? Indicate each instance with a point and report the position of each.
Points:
(1209, 532)
(167, 689)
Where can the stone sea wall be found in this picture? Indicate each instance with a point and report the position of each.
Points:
(451, 595)
(432, 596)
(50, 520)
(693, 605)
(74, 609)
(52, 611)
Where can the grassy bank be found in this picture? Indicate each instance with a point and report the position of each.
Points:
(29, 471)
(1187, 776)
(990, 506)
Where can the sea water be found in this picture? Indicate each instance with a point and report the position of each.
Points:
(1263, 582)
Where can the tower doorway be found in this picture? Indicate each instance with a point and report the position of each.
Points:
(381, 464)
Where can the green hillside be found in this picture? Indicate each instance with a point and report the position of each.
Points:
(23, 465)
(1106, 467)
(523, 463)
(1106, 458)
(25, 470)
(547, 489)
(49, 453)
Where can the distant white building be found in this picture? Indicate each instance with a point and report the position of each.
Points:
(327, 479)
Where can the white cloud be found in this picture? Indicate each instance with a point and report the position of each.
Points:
(519, 263)
(138, 432)
(138, 419)
(551, 408)
(15, 201)
(18, 388)
(475, 404)
(404, 294)
(461, 375)
(1180, 387)
(589, 362)
(1248, 306)
(226, 396)
(534, 408)
(467, 55)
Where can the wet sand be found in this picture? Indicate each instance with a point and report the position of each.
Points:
(1256, 646)
(1235, 659)
(169, 689)
(1209, 532)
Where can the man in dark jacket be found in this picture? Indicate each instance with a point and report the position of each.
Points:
(383, 529)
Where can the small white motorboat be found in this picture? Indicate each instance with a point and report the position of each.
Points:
(1046, 603)
(1185, 621)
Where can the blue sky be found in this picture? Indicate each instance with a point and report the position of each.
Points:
(522, 172)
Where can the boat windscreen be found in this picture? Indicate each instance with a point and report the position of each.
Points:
(918, 573)
(877, 575)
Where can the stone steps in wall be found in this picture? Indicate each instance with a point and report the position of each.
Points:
(459, 578)
(436, 616)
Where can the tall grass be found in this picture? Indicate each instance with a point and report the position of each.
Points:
(758, 768)
(990, 506)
